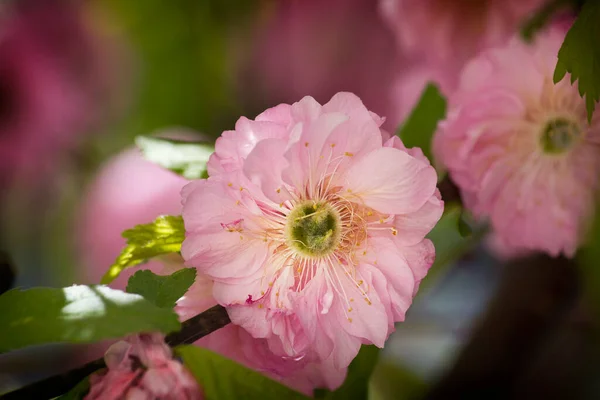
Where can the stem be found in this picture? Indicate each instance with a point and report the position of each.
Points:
(191, 330)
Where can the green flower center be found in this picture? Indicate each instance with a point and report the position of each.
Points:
(313, 229)
(559, 135)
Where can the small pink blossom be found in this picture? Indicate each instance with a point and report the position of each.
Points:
(520, 148)
(331, 244)
(142, 367)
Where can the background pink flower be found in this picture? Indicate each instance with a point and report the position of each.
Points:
(310, 223)
(128, 191)
(318, 48)
(435, 38)
(448, 33)
(142, 367)
(520, 148)
(52, 73)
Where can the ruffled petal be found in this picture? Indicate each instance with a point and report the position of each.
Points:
(391, 181)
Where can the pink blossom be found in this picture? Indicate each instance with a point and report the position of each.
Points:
(437, 37)
(448, 33)
(49, 75)
(128, 191)
(318, 48)
(142, 367)
(234, 342)
(520, 148)
(327, 249)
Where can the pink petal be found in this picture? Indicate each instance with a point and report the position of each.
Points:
(391, 181)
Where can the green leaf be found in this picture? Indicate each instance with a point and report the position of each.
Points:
(163, 236)
(421, 124)
(184, 158)
(222, 378)
(393, 382)
(356, 384)
(77, 314)
(580, 55)
(162, 291)
(78, 392)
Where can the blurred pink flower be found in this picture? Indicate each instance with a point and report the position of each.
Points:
(520, 148)
(318, 48)
(142, 367)
(437, 37)
(49, 78)
(312, 228)
(128, 191)
(448, 33)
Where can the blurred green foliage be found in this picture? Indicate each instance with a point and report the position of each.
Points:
(182, 74)
(390, 381)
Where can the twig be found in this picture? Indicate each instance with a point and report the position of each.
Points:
(191, 330)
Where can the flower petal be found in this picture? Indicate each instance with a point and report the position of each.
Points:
(391, 181)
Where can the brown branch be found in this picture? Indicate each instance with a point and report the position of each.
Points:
(191, 330)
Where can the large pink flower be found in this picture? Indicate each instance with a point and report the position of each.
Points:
(312, 228)
(142, 367)
(520, 147)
